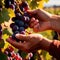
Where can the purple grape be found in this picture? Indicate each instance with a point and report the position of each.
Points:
(18, 15)
(24, 4)
(15, 28)
(17, 21)
(21, 29)
(20, 23)
(14, 18)
(12, 25)
(12, 6)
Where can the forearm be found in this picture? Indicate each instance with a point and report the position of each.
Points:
(53, 19)
(51, 46)
(55, 23)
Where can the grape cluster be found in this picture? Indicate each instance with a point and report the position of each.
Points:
(21, 20)
(11, 55)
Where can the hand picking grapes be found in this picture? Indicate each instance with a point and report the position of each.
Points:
(41, 21)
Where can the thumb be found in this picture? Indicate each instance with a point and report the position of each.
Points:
(22, 37)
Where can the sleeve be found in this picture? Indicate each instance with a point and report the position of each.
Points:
(54, 49)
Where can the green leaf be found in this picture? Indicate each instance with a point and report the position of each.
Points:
(3, 56)
(2, 43)
(5, 31)
(23, 54)
(33, 4)
(4, 15)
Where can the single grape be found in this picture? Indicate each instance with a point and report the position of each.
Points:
(20, 23)
(12, 25)
(15, 28)
(12, 6)
(14, 18)
(24, 4)
(21, 29)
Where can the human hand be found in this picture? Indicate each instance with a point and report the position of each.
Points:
(40, 21)
(31, 42)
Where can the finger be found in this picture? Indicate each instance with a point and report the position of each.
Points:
(34, 23)
(36, 28)
(22, 37)
(32, 20)
(15, 44)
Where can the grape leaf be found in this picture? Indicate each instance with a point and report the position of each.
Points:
(33, 4)
(2, 43)
(3, 56)
(5, 31)
(4, 15)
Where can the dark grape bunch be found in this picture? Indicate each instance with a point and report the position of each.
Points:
(11, 55)
(19, 25)
(21, 20)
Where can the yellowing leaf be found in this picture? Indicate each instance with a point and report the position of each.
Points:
(11, 13)
(41, 3)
